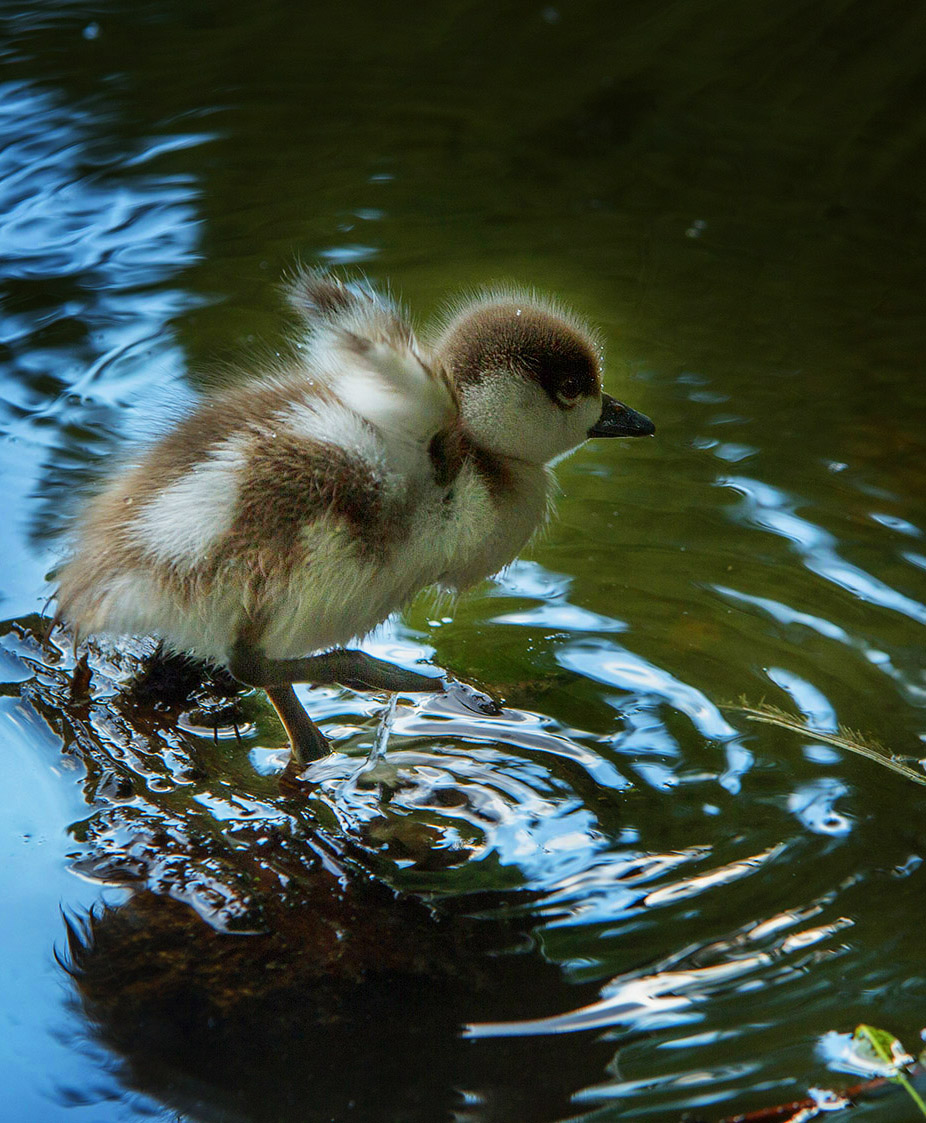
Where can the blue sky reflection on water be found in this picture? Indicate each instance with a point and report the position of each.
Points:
(106, 240)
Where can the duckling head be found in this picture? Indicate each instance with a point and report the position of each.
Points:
(529, 377)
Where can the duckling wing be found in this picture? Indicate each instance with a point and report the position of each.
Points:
(392, 387)
(361, 345)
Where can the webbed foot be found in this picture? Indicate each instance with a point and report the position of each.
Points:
(471, 698)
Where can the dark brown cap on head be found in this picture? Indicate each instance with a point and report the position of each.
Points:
(525, 337)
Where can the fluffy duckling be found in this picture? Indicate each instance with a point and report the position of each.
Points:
(294, 513)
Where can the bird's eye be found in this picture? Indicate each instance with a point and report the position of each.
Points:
(569, 390)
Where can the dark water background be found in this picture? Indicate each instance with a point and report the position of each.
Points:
(638, 901)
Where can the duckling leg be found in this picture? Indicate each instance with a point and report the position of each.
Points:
(355, 669)
(350, 668)
(306, 740)
(251, 667)
(360, 671)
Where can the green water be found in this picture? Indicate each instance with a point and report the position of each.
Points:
(623, 899)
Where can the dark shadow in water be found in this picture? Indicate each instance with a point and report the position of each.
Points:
(258, 970)
(292, 1025)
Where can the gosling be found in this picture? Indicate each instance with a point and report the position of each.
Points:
(291, 514)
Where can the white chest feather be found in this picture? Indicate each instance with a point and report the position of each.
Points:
(453, 541)
(482, 533)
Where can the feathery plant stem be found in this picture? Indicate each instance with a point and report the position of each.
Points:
(849, 739)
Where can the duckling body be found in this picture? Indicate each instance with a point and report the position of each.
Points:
(295, 512)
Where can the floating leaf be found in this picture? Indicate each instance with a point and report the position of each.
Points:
(884, 1047)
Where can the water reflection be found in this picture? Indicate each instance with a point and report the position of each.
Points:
(252, 932)
(112, 235)
(254, 926)
(811, 702)
(908, 678)
(295, 1026)
(670, 995)
(769, 508)
(814, 804)
(616, 666)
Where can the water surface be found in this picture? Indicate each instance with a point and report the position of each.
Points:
(622, 898)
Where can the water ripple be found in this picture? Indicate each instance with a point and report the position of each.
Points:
(616, 666)
(910, 682)
(812, 702)
(90, 240)
(772, 509)
(434, 794)
(61, 219)
(814, 805)
(671, 993)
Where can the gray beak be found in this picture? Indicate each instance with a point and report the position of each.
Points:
(618, 420)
